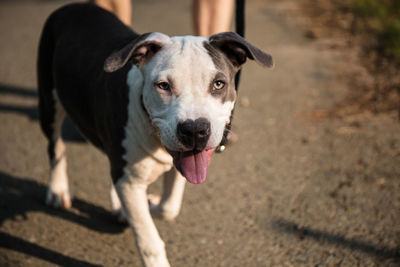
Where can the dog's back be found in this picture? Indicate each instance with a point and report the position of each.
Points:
(74, 44)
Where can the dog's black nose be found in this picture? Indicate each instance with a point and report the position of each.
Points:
(194, 134)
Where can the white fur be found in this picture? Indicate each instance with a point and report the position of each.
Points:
(139, 132)
(148, 241)
(146, 161)
(58, 193)
(185, 62)
(115, 202)
(116, 206)
(171, 201)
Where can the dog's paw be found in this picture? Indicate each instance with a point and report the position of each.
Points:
(160, 210)
(61, 199)
(154, 201)
(154, 205)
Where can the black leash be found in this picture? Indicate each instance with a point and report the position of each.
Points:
(240, 26)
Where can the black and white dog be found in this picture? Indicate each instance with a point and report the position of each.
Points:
(155, 105)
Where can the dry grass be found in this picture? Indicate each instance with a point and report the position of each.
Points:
(372, 27)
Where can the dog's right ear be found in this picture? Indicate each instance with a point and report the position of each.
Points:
(138, 51)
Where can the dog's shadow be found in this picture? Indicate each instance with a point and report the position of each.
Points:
(18, 196)
(14, 243)
(69, 131)
(302, 232)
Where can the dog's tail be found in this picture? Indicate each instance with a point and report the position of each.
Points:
(45, 78)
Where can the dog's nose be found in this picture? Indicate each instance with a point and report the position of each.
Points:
(194, 134)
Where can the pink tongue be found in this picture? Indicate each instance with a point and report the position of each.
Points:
(193, 165)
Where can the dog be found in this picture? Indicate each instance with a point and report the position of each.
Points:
(155, 105)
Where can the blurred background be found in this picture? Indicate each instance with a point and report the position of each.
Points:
(311, 179)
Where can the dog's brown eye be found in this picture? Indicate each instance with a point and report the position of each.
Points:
(163, 86)
(218, 85)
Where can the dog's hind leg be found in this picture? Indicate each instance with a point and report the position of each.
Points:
(52, 115)
(58, 192)
(116, 206)
(169, 206)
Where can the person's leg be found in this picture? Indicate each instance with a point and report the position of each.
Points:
(106, 4)
(121, 8)
(201, 17)
(212, 16)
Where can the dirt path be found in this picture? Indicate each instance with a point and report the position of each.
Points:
(297, 189)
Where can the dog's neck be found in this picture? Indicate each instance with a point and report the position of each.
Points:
(139, 130)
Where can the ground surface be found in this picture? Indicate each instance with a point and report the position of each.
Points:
(297, 189)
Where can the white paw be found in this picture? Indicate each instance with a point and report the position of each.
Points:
(157, 261)
(154, 201)
(60, 199)
(154, 254)
(161, 211)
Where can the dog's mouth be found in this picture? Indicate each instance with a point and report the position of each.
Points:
(192, 164)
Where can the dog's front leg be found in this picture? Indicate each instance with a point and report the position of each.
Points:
(134, 201)
(170, 204)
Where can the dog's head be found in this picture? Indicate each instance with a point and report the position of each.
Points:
(189, 90)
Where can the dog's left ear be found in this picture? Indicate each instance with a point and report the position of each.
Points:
(237, 49)
(138, 51)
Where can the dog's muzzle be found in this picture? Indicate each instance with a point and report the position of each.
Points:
(194, 135)
(193, 163)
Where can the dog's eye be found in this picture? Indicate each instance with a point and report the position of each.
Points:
(163, 86)
(218, 85)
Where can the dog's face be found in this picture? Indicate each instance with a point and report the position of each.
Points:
(189, 90)
(185, 89)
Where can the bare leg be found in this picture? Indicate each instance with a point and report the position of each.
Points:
(212, 16)
(170, 205)
(121, 8)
